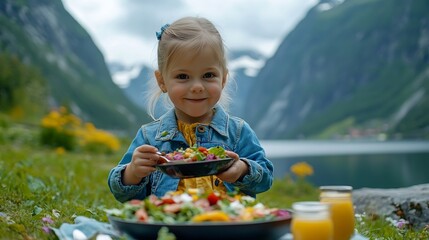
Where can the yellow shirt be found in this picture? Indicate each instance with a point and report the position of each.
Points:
(208, 183)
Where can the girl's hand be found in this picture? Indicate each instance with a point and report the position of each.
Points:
(237, 170)
(142, 164)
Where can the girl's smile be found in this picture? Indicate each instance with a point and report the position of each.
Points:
(197, 100)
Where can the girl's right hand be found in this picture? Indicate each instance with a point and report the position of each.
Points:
(142, 164)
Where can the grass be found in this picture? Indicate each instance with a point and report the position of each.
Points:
(37, 182)
(382, 229)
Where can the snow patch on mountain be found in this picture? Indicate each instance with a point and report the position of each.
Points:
(251, 65)
(123, 76)
(325, 6)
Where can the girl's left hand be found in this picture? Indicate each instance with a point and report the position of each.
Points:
(237, 170)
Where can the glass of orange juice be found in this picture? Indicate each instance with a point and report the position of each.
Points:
(342, 211)
(311, 220)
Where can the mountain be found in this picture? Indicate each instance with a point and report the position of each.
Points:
(243, 66)
(352, 68)
(43, 35)
(133, 80)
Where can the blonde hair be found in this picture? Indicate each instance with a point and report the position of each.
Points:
(191, 34)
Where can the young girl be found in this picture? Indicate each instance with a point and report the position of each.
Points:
(192, 71)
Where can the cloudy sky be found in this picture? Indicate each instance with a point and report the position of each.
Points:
(124, 30)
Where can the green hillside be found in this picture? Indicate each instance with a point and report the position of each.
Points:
(43, 35)
(22, 90)
(360, 67)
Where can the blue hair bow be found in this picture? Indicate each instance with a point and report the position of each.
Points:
(159, 34)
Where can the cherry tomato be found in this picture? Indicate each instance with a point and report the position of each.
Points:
(203, 150)
(212, 198)
(167, 201)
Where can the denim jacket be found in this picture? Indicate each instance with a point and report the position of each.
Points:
(231, 133)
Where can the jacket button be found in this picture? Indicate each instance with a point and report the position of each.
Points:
(201, 129)
(217, 182)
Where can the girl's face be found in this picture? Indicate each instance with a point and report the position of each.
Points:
(194, 83)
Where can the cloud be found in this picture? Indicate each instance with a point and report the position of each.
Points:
(144, 18)
(125, 29)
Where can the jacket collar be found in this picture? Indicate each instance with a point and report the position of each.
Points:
(220, 121)
(168, 130)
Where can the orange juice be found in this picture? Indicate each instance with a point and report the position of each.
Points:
(311, 220)
(342, 212)
(309, 230)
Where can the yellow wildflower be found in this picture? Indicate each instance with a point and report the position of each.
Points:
(60, 125)
(60, 150)
(302, 169)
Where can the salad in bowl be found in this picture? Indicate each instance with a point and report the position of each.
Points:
(196, 206)
(195, 153)
(196, 214)
(195, 162)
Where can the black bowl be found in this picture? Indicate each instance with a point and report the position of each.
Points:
(182, 169)
(261, 230)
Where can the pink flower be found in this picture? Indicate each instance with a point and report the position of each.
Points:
(401, 223)
(46, 229)
(47, 220)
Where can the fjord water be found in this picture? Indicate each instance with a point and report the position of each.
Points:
(374, 164)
